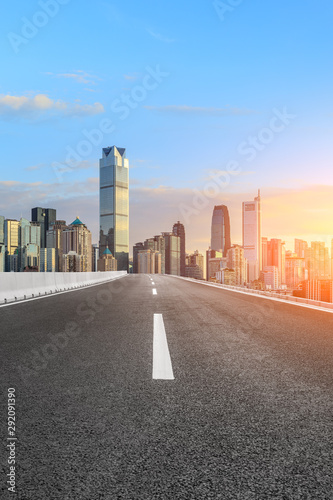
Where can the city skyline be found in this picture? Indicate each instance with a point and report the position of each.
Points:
(270, 126)
(166, 249)
(205, 242)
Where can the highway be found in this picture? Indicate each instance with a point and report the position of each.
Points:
(154, 387)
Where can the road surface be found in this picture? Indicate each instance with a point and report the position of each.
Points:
(185, 392)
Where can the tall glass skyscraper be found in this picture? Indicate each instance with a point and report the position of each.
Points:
(114, 205)
(29, 244)
(252, 236)
(2, 243)
(220, 236)
(179, 230)
(12, 238)
(45, 217)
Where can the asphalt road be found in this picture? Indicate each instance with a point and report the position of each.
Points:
(247, 416)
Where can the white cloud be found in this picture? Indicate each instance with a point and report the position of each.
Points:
(30, 107)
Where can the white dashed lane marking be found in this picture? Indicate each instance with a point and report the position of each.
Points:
(162, 366)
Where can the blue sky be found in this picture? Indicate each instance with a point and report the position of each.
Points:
(223, 78)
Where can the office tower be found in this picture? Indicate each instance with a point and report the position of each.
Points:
(2, 244)
(95, 257)
(114, 205)
(321, 290)
(317, 261)
(214, 263)
(29, 245)
(12, 230)
(48, 262)
(270, 277)
(237, 262)
(295, 270)
(136, 249)
(172, 253)
(45, 217)
(300, 248)
(72, 262)
(157, 243)
(220, 231)
(77, 239)
(179, 230)
(276, 257)
(252, 236)
(264, 250)
(195, 266)
(54, 239)
(106, 262)
(146, 262)
(149, 262)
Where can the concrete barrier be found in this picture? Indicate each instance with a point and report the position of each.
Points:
(19, 286)
(271, 295)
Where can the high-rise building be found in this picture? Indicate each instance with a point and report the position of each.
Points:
(237, 262)
(2, 244)
(114, 205)
(72, 262)
(317, 261)
(55, 239)
(214, 263)
(270, 277)
(48, 260)
(95, 257)
(179, 230)
(29, 241)
(45, 217)
(77, 239)
(172, 253)
(159, 254)
(157, 243)
(138, 247)
(300, 248)
(220, 231)
(106, 262)
(276, 257)
(264, 252)
(295, 270)
(149, 262)
(252, 243)
(194, 266)
(12, 237)
(321, 290)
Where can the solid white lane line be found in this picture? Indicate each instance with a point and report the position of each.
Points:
(162, 367)
(154, 291)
